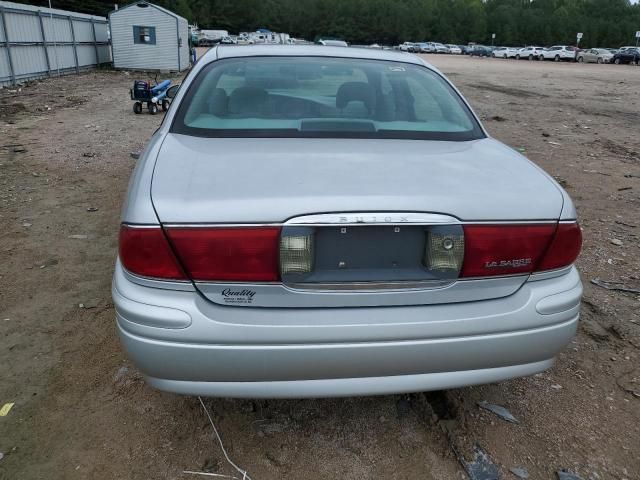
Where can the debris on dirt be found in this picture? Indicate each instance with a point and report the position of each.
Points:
(47, 263)
(596, 171)
(1, 455)
(624, 188)
(6, 408)
(625, 224)
(482, 467)
(630, 382)
(19, 149)
(245, 475)
(121, 373)
(498, 118)
(498, 410)
(27, 224)
(630, 175)
(520, 472)
(545, 134)
(135, 155)
(88, 154)
(617, 286)
(209, 474)
(93, 303)
(555, 144)
(566, 475)
(556, 386)
(92, 209)
(78, 237)
(617, 241)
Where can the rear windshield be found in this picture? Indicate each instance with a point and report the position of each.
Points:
(323, 97)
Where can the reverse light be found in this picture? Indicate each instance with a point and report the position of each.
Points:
(296, 254)
(444, 252)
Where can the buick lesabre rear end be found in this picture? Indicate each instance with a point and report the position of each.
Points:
(314, 221)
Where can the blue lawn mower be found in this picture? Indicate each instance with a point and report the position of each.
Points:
(154, 96)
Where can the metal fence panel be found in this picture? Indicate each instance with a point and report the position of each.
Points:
(57, 29)
(101, 32)
(22, 28)
(4, 62)
(28, 59)
(37, 42)
(83, 31)
(61, 57)
(86, 55)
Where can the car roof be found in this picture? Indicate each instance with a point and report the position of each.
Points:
(235, 51)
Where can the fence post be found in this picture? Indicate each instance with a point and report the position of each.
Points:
(6, 44)
(95, 42)
(44, 44)
(75, 47)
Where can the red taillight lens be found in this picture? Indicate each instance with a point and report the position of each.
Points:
(564, 248)
(146, 252)
(491, 250)
(228, 254)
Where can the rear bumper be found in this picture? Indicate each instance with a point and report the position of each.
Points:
(337, 352)
(344, 370)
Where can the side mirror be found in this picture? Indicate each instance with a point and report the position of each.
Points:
(172, 91)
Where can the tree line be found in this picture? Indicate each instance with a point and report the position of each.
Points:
(604, 23)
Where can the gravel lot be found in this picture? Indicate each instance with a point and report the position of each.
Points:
(83, 412)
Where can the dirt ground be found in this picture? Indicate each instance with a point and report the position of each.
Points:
(83, 412)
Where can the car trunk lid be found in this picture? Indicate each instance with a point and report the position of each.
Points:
(370, 207)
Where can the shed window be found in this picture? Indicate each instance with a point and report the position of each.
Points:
(144, 35)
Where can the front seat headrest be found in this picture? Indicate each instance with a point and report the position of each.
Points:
(356, 92)
(247, 100)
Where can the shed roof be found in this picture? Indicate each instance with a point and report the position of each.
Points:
(162, 9)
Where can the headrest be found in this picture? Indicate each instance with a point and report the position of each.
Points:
(247, 100)
(217, 102)
(356, 92)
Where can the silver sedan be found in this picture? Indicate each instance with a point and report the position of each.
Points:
(595, 55)
(316, 221)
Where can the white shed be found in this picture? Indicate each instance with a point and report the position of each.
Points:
(145, 36)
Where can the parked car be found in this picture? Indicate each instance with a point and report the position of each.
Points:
(248, 268)
(332, 42)
(410, 47)
(480, 51)
(558, 53)
(529, 53)
(426, 47)
(595, 55)
(504, 52)
(454, 49)
(628, 55)
(440, 48)
(465, 49)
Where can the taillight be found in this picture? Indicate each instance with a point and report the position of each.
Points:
(145, 251)
(491, 250)
(228, 254)
(494, 250)
(564, 248)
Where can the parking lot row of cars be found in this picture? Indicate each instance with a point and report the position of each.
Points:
(560, 53)
(628, 54)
